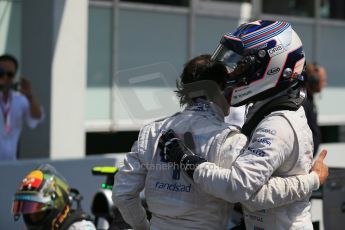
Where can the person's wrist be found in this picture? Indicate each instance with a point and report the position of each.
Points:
(314, 180)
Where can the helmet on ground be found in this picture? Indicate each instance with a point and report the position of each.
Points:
(263, 58)
(42, 199)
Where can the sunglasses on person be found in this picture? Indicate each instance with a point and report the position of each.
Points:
(4, 73)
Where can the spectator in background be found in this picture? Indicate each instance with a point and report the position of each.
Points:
(316, 78)
(15, 107)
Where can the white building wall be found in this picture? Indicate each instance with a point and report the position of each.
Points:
(67, 134)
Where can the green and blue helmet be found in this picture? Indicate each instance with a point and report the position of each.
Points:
(43, 191)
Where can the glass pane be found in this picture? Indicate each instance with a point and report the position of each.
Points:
(145, 93)
(330, 56)
(209, 31)
(241, 1)
(98, 92)
(10, 28)
(333, 9)
(303, 8)
(162, 2)
(148, 37)
(331, 53)
(152, 51)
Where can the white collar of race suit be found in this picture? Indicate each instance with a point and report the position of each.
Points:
(201, 105)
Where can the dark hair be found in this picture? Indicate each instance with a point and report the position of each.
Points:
(9, 57)
(197, 69)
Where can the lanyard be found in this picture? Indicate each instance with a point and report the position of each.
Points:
(6, 110)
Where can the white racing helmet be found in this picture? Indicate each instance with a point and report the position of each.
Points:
(263, 58)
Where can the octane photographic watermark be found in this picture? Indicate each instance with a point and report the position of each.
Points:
(145, 93)
(165, 166)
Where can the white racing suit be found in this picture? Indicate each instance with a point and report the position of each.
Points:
(176, 202)
(82, 225)
(281, 145)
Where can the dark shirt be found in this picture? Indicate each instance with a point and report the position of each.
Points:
(311, 114)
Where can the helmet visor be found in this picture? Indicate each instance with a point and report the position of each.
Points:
(26, 207)
(227, 56)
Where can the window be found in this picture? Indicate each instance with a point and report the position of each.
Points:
(240, 1)
(333, 9)
(304, 8)
(162, 2)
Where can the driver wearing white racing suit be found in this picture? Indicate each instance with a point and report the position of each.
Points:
(172, 197)
(265, 60)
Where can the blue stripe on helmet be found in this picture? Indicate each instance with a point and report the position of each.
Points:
(268, 28)
(268, 36)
